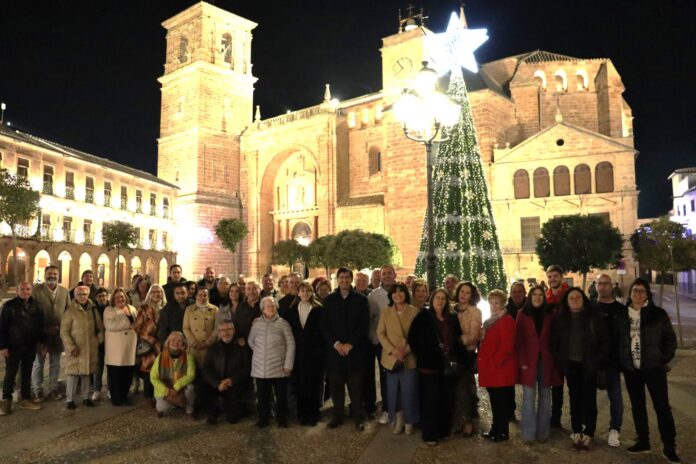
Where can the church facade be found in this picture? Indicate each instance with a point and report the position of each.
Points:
(555, 135)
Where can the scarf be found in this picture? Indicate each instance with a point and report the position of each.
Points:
(172, 369)
(489, 322)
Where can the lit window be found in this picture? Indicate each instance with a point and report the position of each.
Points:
(22, 167)
(70, 185)
(153, 204)
(48, 180)
(89, 189)
(138, 201)
(375, 160)
(107, 193)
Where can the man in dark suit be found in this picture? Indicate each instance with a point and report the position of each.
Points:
(345, 325)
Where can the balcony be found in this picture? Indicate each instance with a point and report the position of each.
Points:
(68, 235)
(107, 200)
(89, 196)
(89, 238)
(70, 192)
(46, 232)
(124, 203)
(139, 207)
(165, 213)
(153, 210)
(47, 188)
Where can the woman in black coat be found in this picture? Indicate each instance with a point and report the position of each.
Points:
(646, 343)
(304, 317)
(579, 346)
(434, 336)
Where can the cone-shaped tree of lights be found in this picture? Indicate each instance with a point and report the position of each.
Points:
(465, 236)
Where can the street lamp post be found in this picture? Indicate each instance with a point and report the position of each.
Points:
(424, 111)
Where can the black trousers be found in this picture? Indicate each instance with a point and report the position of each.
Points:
(308, 386)
(279, 388)
(370, 382)
(148, 389)
(119, 379)
(502, 407)
(232, 402)
(582, 389)
(557, 403)
(656, 381)
(21, 359)
(437, 403)
(337, 383)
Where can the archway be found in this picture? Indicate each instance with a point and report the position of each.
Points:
(64, 262)
(290, 183)
(21, 267)
(85, 263)
(103, 270)
(41, 260)
(163, 271)
(302, 233)
(150, 269)
(121, 276)
(136, 266)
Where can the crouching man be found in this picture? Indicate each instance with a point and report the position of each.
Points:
(172, 376)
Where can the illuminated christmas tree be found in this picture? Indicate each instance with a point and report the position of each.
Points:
(465, 236)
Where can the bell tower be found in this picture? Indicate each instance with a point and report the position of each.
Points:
(207, 101)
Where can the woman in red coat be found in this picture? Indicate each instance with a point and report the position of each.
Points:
(497, 365)
(537, 370)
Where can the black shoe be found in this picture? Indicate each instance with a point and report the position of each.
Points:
(489, 435)
(334, 424)
(639, 448)
(671, 455)
(88, 403)
(71, 405)
(283, 423)
(262, 424)
(359, 427)
(211, 420)
(500, 437)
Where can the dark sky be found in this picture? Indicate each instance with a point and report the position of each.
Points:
(84, 73)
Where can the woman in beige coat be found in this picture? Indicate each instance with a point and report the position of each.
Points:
(402, 377)
(199, 326)
(81, 331)
(120, 345)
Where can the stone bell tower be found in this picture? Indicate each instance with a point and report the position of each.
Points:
(207, 96)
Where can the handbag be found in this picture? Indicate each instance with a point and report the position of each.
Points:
(143, 347)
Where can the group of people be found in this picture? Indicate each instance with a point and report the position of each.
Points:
(210, 345)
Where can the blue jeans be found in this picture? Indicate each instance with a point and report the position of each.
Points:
(536, 417)
(616, 406)
(97, 378)
(402, 393)
(37, 372)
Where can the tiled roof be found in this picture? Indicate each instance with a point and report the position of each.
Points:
(81, 155)
(542, 56)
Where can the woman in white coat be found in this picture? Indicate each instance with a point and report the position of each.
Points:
(120, 345)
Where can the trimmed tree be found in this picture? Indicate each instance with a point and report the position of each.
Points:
(231, 232)
(579, 244)
(322, 253)
(288, 252)
(118, 234)
(358, 249)
(18, 204)
(464, 232)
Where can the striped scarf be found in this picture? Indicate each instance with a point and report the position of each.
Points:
(172, 369)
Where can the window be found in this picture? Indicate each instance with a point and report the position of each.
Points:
(561, 80)
(107, 193)
(693, 206)
(69, 185)
(540, 79)
(521, 184)
(165, 208)
(87, 230)
(45, 227)
(153, 204)
(124, 197)
(164, 241)
(48, 180)
(582, 79)
(374, 160)
(183, 50)
(605, 216)
(351, 120)
(138, 238)
(138, 201)
(583, 179)
(67, 229)
(684, 210)
(226, 49)
(89, 189)
(152, 238)
(604, 177)
(561, 181)
(22, 167)
(530, 228)
(541, 183)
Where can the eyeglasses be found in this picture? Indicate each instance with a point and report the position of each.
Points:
(639, 290)
(82, 294)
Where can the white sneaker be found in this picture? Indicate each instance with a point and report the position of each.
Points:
(613, 439)
(96, 396)
(384, 418)
(408, 429)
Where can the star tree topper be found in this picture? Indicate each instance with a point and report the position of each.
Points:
(455, 47)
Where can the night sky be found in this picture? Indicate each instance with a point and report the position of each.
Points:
(84, 73)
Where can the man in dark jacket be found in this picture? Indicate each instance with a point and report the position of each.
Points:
(171, 318)
(174, 278)
(87, 280)
(21, 330)
(102, 301)
(518, 295)
(345, 325)
(227, 374)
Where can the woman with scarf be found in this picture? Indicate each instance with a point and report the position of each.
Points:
(497, 365)
(172, 376)
(148, 345)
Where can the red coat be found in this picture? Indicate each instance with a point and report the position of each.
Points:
(497, 362)
(528, 347)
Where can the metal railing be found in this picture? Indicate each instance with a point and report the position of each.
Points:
(89, 196)
(70, 192)
(47, 188)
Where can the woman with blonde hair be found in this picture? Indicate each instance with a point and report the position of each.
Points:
(120, 346)
(156, 298)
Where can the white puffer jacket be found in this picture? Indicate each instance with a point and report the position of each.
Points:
(273, 346)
